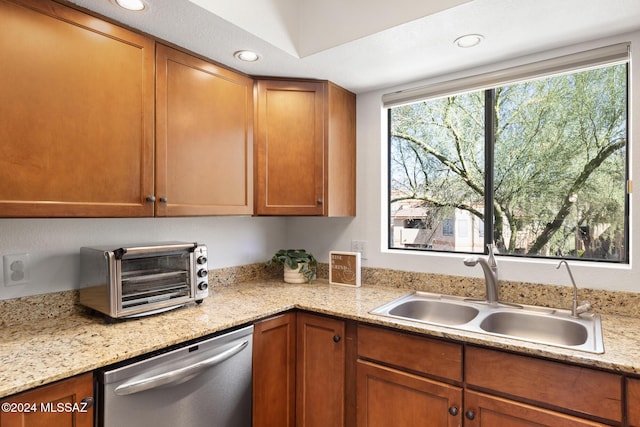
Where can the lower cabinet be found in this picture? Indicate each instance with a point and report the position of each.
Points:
(300, 372)
(67, 403)
(633, 402)
(274, 371)
(586, 392)
(409, 380)
(312, 370)
(406, 381)
(321, 370)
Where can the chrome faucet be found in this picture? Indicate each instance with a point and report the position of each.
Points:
(575, 308)
(490, 268)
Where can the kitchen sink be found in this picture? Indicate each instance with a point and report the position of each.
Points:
(540, 325)
(537, 328)
(430, 308)
(433, 311)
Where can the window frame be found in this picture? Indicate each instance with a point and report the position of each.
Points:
(608, 59)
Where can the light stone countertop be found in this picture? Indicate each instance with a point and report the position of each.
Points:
(40, 352)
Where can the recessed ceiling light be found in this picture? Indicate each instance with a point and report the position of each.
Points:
(469, 40)
(246, 55)
(131, 4)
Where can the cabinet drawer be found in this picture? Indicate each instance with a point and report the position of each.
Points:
(573, 388)
(419, 354)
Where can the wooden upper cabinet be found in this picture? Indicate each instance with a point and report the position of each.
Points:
(305, 149)
(340, 152)
(204, 137)
(77, 114)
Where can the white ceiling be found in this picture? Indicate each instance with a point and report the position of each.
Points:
(365, 45)
(304, 27)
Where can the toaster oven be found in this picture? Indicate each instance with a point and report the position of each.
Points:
(139, 280)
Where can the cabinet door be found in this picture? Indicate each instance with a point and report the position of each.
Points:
(56, 405)
(388, 397)
(77, 114)
(320, 381)
(274, 371)
(490, 411)
(204, 137)
(290, 148)
(633, 402)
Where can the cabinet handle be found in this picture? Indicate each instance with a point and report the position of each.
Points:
(319, 201)
(151, 198)
(336, 338)
(453, 410)
(163, 200)
(470, 414)
(88, 402)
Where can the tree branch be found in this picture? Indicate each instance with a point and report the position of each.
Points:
(551, 228)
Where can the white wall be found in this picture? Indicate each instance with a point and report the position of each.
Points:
(371, 221)
(54, 244)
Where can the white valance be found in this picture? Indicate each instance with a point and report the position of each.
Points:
(618, 53)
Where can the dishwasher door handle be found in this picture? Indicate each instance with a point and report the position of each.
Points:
(178, 376)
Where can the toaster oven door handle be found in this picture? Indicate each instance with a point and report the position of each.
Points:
(122, 252)
(178, 376)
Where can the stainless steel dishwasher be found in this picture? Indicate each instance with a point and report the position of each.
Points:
(207, 383)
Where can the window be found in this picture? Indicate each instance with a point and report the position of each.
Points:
(538, 166)
(448, 227)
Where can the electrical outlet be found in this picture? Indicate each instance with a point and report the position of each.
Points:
(16, 269)
(359, 246)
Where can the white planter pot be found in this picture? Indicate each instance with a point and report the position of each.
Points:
(294, 276)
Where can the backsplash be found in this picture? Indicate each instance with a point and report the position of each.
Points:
(62, 304)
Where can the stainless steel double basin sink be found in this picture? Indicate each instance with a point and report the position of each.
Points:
(550, 326)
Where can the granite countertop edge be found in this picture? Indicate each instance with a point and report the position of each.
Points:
(38, 353)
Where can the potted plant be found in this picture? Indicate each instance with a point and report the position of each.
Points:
(299, 265)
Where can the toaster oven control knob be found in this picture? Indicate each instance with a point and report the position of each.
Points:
(201, 260)
(202, 286)
(202, 273)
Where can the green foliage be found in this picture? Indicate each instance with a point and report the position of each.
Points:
(292, 258)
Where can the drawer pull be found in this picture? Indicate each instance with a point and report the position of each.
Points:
(336, 338)
(470, 414)
(453, 410)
